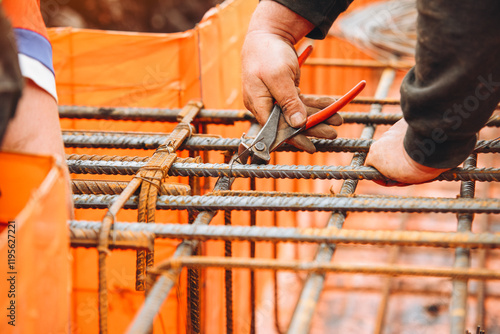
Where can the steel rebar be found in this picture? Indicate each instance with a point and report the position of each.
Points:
(105, 187)
(394, 253)
(219, 116)
(323, 267)
(311, 235)
(88, 238)
(361, 203)
(459, 295)
(228, 279)
(78, 166)
(481, 285)
(214, 143)
(194, 308)
(151, 114)
(253, 222)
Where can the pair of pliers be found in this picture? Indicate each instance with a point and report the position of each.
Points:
(270, 138)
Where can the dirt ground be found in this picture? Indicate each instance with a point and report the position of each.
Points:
(126, 15)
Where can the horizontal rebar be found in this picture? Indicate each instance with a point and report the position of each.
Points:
(197, 143)
(305, 203)
(151, 141)
(291, 234)
(220, 116)
(123, 158)
(152, 114)
(105, 187)
(116, 167)
(313, 266)
(120, 239)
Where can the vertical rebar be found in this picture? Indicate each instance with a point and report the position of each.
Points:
(275, 272)
(228, 279)
(484, 223)
(481, 290)
(253, 220)
(459, 294)
(228, 273)
(193, 274)
(304, 309)
(103, 250)
(386, 290)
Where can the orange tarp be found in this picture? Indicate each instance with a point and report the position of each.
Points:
(34, 245)
(154, 70)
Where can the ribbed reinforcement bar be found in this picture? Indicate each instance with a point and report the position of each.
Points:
(152, 141)
(459, 295)
(116, 167)
(104, 187)
(220, 116)
(88, 229)
(88, 238)
(324, 267)
(151, 114)
(358, 203)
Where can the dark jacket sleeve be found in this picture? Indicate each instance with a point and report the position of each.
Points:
(321, 13)
(455, 86)
(11, 80)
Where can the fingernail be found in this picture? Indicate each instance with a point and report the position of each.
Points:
(297, 120)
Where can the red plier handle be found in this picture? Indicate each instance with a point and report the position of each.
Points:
(333, 108)
(305, 54)
(322, 115)
(329, 111)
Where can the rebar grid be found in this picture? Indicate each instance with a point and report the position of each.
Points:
(117, 195)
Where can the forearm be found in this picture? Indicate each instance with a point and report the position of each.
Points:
(11, 81)
(270, 17)
(321, 13)
(454, 88)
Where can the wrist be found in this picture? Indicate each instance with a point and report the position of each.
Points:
(273, 18)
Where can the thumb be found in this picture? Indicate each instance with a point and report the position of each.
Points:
(287, 97)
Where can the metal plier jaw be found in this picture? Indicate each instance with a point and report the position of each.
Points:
(274, 133)
(259, 150)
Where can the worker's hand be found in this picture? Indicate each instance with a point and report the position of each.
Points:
(270, 67)
(389, 157)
